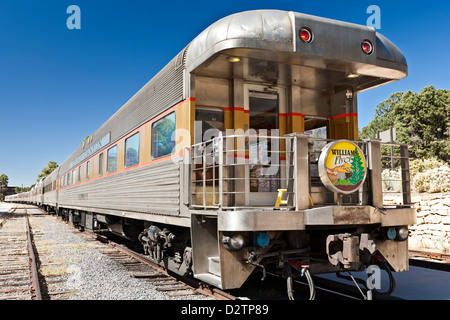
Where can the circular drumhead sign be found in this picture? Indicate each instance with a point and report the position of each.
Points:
(342, 167)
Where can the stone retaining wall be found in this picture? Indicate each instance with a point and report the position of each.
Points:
(432, 231)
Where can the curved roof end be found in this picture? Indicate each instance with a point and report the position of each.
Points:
(276, 31)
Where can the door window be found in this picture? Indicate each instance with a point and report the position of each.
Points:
(264, 166)
(212, 122)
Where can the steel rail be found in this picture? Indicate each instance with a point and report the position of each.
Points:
(430, 260)
(191, 282)
(428, 254)
(199, 286)
(33, 263)
(8, 213)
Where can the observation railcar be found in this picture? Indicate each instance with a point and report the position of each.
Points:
(242, 154)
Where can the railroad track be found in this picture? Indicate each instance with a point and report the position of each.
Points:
(16, 281)
(444, 257)
(24, 260)
(430, 260)
(139, 266)
(49, 278)
(19, 278)
(174, 285)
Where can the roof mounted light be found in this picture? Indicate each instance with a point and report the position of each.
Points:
(367, 47)
(306, 35)
(233, 59)
(352, 75)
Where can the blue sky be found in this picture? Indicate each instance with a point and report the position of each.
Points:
(59, 85)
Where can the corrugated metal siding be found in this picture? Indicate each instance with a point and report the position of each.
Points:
(50, 198)
(159, 94)
(148, 189)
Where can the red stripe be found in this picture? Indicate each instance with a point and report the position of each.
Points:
(344, 115)
(240, 109)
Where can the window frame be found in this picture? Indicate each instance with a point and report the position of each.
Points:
(88, 165)
(100, 164)
(198, 112)
(152, 141)
(126, 150)
(108, 159)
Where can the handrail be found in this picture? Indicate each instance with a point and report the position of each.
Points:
(226, 172)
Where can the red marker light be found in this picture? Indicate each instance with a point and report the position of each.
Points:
(305, 35)
(367, 47)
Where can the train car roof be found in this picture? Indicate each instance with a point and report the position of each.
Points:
(273, 35)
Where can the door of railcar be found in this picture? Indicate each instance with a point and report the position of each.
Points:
(265, 106)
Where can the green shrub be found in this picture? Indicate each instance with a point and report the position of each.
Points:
(432, 180)
(428, 175)
(419, 165)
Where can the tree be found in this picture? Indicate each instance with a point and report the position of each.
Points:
(383, 118)
(421, 120)
(24, 189)
(3, 183)
(52, 165)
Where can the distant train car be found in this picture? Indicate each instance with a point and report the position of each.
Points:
(242, 155)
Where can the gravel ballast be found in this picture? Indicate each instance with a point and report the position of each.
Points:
(84, 268)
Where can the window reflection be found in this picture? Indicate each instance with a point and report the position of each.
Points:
(112, 159)
(100, 165)
(263, 112)
(162, 130)
(132, 151)
(212, 122)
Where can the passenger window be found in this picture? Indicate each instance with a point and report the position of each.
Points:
(212, 121)
(112, 160)
(87, 170)
(74, 177)
(162, 130)
(132, 151)
(100, 164)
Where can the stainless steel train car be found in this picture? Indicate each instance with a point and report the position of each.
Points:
(242, 155)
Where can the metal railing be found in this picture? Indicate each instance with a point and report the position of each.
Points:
(247, 171)
(235, 171)
(396, 178)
